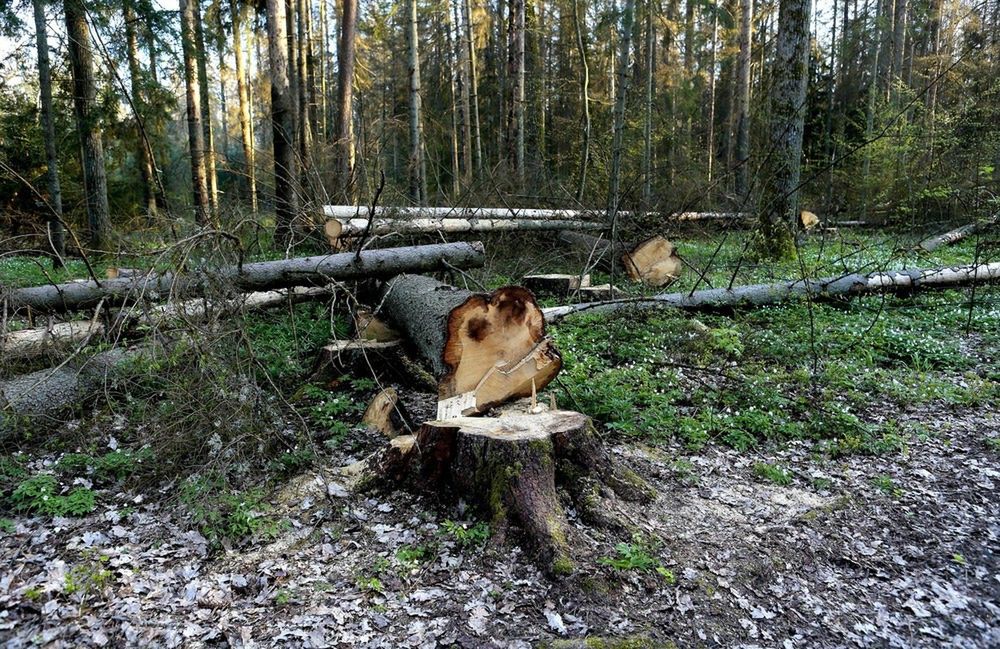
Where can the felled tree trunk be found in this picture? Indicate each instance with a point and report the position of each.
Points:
(259, 276)
(483, 348)
(336, 230)
(345, 212)
(949, 238)
(40, 398)
(653, 262)
(898, 281)
(510, 466)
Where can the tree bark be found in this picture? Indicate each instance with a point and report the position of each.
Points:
(206, 110)
(951, 237)
(743, 102)
(337, 230)
(196, 135)
(95, 180)
(146, 169)
(345, 92)
(258, 276)
(282, 122)
(57, 235)
(509, 467)
(243, 92)
(618, 136)
(841, 286)
(483, 349)
(514, 131)
(477, 147)
(305, 112)
(713, 60)
(779, 214)
(584, 100)
(343, 212)
(418, 168)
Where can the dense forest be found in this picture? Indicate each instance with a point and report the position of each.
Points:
(233, 108)
(566, 324)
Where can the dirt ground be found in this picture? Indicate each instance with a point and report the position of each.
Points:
(899, 551)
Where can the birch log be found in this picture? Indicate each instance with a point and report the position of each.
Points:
(653, 262)
(950, 238)
(898, 281)
(483, 348)
(346, 212)
(258, 276)
(337, 230)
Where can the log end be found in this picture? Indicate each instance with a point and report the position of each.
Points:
(332, 229)
(496, 349)
(653, 262)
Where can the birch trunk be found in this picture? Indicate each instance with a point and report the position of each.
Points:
(418, 169)
(617, 143)
(743, 101)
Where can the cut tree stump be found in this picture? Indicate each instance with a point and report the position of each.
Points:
(366, 358)
(510, 467)
(654, 262)
(369, 326)
(385, 414)
(557, 284)
(483, 348)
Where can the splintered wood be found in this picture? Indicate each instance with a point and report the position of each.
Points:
(484, 348)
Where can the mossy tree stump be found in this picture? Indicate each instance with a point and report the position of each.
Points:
(510, 467)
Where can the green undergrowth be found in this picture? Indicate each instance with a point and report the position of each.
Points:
(823, 371)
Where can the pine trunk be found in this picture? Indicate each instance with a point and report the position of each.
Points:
(201, 53)
(243, 92)
(282, 121)
(144, 155)
(95, 180)
(345, 92)
(196, 135)
(57, 235)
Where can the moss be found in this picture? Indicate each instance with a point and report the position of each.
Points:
(562, 566)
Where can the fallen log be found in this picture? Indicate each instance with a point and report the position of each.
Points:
(951, 237)
(347, 212)
(27, 343)
(483, 348)
(898, 281)
(653, 262)
(510, 466)
(39, 399)
(337, 230)
(558, 284)
(258, 276)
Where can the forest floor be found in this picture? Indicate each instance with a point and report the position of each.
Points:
(827, 476)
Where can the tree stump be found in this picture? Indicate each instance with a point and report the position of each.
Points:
(653, 262)
(510, 467)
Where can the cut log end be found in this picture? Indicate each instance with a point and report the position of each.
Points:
(495, 347)
(654, 262)
(510, 466)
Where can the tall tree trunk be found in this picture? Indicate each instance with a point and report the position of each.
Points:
(713, 60)
(196, 134)
(465, 106)
(57, 236)
(647, 126)
(95, 180)
(146, 169)
(743, 101)
(306, 126)
(418, 170)
(324, 68)
(345, 91)
(898, 40)
(584, 100)
(220, 51)
(617, 140)
(514, 130)
(779, 215)
(206, 110)
(246, 125)
(477, 146)
(282, 121)
(456, 111)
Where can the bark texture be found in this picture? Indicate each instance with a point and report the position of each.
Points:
(95, 180)
(259, 276)
(841, 286)
(57, 234)
(282, 121)
(196, 134)
(336, 231)
(510, 467)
